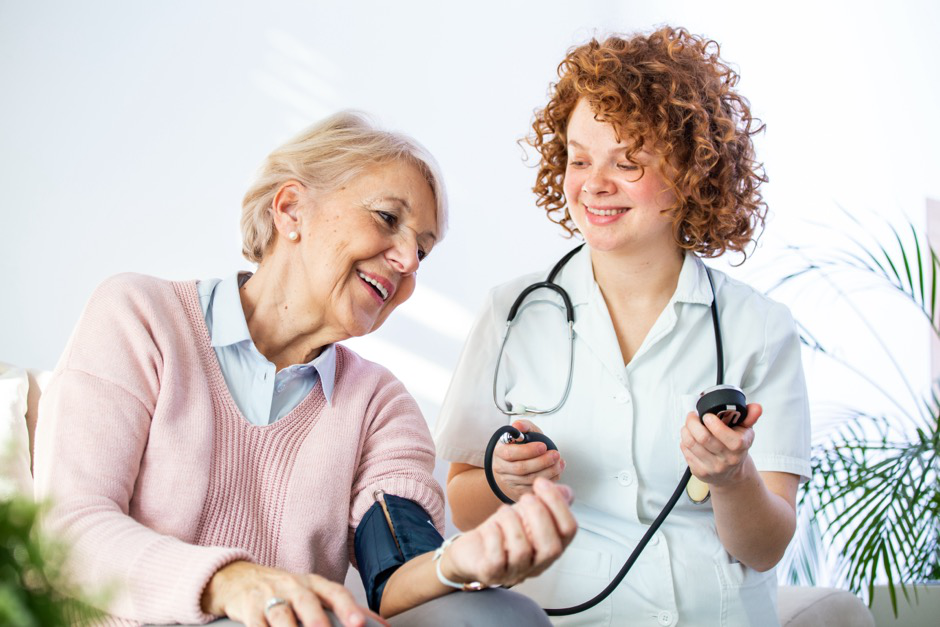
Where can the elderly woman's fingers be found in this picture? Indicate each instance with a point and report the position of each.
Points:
(519, 552)
(307, 607)
(283, 616)
(540, 529)
(336, 597)
(558, 499)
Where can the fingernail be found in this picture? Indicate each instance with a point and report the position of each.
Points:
(542, 448)
(357, 619)
(709, 419)
(555, 456)
(566, 492)
(563, 464)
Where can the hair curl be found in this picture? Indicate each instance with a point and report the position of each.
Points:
(670, 92)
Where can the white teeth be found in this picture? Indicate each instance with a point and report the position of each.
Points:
(605, 212)
(378, 286)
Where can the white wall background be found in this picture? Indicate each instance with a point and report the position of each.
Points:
(129, 131)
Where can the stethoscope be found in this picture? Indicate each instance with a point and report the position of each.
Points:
(725, 401)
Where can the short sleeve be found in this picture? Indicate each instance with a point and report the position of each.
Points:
(776, 381)
(468, 415)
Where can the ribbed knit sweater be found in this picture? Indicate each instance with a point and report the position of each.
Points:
(157, 480)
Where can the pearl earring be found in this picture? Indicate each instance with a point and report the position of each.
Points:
(293, 236)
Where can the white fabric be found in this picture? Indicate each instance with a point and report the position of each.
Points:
(619, 434)
(263, 394)
(15, 476)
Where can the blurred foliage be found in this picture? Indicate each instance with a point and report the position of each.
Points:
(33, 591)
(875, 491)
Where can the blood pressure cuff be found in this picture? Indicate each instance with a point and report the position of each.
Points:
(381, 548)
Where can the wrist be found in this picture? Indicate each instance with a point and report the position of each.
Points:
(449, 573)
(742, 476)
(213, 595)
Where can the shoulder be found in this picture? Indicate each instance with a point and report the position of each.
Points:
(134, 309)
(129, 288)
(738, 299)
(357, 375)
(758, 321)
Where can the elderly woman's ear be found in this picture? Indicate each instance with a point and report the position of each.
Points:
(285, 209)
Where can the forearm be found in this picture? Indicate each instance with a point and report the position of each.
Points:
(471, 499)
(411, 585)
(755, 525)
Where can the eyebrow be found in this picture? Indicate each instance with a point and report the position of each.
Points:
(572, 142)
(404, 204)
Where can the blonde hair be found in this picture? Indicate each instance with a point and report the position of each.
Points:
(324, 157)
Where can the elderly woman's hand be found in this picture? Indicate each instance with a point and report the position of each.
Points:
(516, 542)
(242, 591)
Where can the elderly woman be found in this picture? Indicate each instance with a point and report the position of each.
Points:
(211, 451)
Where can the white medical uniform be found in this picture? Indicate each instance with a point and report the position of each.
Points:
(619, 435)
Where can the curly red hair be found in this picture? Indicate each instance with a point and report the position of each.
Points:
(671, 92)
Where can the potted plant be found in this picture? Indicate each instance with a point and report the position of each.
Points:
(33, 590)
(872, 508)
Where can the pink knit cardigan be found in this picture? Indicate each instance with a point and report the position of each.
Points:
(157, 480)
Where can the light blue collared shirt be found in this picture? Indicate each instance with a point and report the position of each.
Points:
(262, 394)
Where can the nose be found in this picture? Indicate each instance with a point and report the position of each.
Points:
(403, 255)
(598, 182)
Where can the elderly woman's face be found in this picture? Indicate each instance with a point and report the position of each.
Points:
(361, 245)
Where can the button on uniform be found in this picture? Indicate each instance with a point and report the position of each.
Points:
(622, 397)
(665, 617)
(625, 477)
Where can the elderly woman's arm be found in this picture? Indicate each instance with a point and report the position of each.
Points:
(511, 545)
(397, 459)
(94, 427)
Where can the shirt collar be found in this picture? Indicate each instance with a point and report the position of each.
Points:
(229, 327)
(228, 318)
(577, 277)
(692, 286)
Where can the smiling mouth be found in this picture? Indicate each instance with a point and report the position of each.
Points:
(606, 212)
(375, 285)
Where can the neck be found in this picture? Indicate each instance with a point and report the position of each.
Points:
(285, 329)
(637, 278)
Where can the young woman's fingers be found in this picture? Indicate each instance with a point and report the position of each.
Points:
(519, 452)
(754, 412)
(526, 426)
(527, 466)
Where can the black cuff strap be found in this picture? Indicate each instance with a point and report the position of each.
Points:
(381, 548)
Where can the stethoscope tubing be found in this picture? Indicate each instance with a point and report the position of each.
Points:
(517, 435)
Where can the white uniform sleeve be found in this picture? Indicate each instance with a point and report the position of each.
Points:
(776, 381)
(468, 416)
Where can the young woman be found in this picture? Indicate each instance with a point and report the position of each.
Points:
(646, 154)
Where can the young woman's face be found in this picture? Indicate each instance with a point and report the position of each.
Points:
(617, 206)
(360, 245)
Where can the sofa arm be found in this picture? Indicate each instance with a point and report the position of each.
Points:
(801, 606)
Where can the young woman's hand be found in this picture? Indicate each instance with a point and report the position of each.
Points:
(516, 542)
(517, 466)
(241, 590)
(716, 453)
